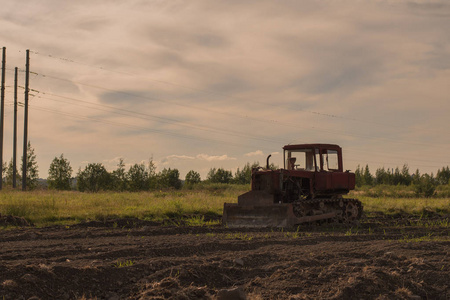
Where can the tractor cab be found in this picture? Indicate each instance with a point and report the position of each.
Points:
(313, 157)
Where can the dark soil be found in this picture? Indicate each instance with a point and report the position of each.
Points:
(382, 258)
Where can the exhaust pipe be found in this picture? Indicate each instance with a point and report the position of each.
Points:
(267, 162)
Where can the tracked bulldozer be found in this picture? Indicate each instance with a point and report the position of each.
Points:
(309, 188)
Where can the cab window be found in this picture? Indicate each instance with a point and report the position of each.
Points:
(302, 159)
(330, 160)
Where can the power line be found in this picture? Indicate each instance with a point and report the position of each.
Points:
(79, 63)
(192, 88)
(164, 132)
(188, 87)
(242, 117)
(174, 121)
(146, 116)
(287, 125)
(233, 115)
(182, 123)
(132, 126)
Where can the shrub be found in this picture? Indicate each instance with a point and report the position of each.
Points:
(59, 174)
(169, 178)
(426, 186)
(219, 176)
(138, 178)
(244, 176)
(93, 178)
(119, 177)
(192, 178)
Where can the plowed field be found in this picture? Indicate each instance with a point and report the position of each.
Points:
(382, 258)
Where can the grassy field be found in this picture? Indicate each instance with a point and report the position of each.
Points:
(415, 206)
(51, 207)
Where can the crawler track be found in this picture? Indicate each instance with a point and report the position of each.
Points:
(346, 210)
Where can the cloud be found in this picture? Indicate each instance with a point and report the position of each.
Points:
(177, 157)
(114, 160)
(214, 158)
(255, 153)
(198, 162)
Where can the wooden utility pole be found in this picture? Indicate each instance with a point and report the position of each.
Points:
(25, 127)
(2, 116)
(15, 130)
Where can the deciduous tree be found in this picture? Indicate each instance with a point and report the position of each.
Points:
(137, 177)
(60, 174)
(192, 178)
(119, 177)
(32, 168)
(152, 176)
(443, 176)
(426, 186)
(169, 178)
(367, 177)
(93, 178)
(219, 176)
(244, 176)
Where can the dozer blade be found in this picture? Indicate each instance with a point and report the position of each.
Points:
(275, 215)
(235, 215)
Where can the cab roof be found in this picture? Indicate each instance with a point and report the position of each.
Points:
(312, 146)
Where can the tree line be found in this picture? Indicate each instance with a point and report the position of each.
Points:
(138, 177)
(143, 176)
(423, 184)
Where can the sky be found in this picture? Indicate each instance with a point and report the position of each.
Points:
(197, 84)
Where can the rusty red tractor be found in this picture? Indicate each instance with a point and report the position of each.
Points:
(308, 189)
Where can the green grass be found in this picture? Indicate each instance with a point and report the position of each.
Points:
(123, 264)
(45, 208)
(399, 191)
(52, 207)
(200, 221)
(426, 223)
(295, 235)
(351, 232)
(424, 238)
(237, 236)
(230, 236)
(417, 206)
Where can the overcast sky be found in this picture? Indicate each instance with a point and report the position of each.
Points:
(201, 84)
